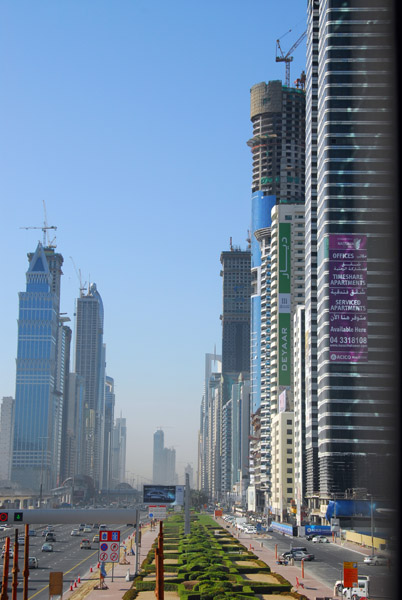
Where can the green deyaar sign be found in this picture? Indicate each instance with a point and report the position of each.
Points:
(284, 303)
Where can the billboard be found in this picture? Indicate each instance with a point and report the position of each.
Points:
(348, 341)
(284, 348)
(159, 494)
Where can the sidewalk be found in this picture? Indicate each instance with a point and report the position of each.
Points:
(309, 586)
(119, 586)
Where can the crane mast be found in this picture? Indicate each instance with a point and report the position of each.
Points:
(286, 58)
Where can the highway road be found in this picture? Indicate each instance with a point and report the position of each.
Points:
(66, 557)
(327, 566)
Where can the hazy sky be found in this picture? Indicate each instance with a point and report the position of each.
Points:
(130, 118)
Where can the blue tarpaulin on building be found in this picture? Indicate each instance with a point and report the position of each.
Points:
(350, 508)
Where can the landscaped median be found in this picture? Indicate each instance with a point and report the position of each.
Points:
(208, 564)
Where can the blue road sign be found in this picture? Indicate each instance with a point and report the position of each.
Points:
(104, 547)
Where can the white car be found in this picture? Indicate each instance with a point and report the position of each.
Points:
(75, 532)
(251, 529)
(33, 562)
(361, 581)
(378, 559)
(321, 539)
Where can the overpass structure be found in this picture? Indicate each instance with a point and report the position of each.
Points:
(69, 515)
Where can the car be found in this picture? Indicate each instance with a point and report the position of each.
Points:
(377, 559)
(49, 528)
(102, 527)
(32, 532)
(50, 536)
(33, 562)
(10, 553)
(85, 544)
(87, 529)
(95, 539)
(81, 526)
(303, 556)
(361, 581)
(47, 547)
(310, 537)
(95, 526)
(21, 540)
(75, 532)
(321, 539)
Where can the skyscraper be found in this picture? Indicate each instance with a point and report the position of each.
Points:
(158, 458)
(109, 421)
(6, 436)
(235, 317)
(277, 113)
(90, 365)
(164, 461)
(38, 404)
(350, 298)
(236, 274)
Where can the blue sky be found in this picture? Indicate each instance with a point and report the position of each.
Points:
(130, 120)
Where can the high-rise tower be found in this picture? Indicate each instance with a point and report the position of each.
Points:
(38, 403)
(90, 365)
(350, 299)
(277, 113)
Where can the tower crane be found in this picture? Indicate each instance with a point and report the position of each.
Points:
(286, 58)
(78, 273)
(45, 228)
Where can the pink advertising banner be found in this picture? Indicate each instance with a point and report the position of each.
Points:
(348, 298)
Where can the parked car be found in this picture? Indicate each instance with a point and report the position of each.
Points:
(321, 539)
(85, 544)
(47, 547)
(377, 559)
(75, 532)
(33, 562)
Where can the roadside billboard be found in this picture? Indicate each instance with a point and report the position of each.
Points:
(159, 494)
(284, 300)
(348, 341)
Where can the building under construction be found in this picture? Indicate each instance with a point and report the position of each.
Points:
(278, 142)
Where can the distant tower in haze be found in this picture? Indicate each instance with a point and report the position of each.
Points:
(109, 420)
(158, 458)
(38, 396)
(90, 365)
(6, 436)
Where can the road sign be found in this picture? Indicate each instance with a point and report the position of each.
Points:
(350, 574)
(157, 512)
(109, 536)
(4, 517)
(109, 546)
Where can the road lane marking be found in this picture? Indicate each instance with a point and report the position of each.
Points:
(66, 573)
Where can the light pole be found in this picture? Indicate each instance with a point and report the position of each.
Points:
(41, 473)
(371, 523)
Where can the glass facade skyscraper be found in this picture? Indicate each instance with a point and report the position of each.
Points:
(90, 365)
(38, 408)
(350, 300)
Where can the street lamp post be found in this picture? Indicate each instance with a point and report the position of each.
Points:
(41, 474)
(372, 524)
